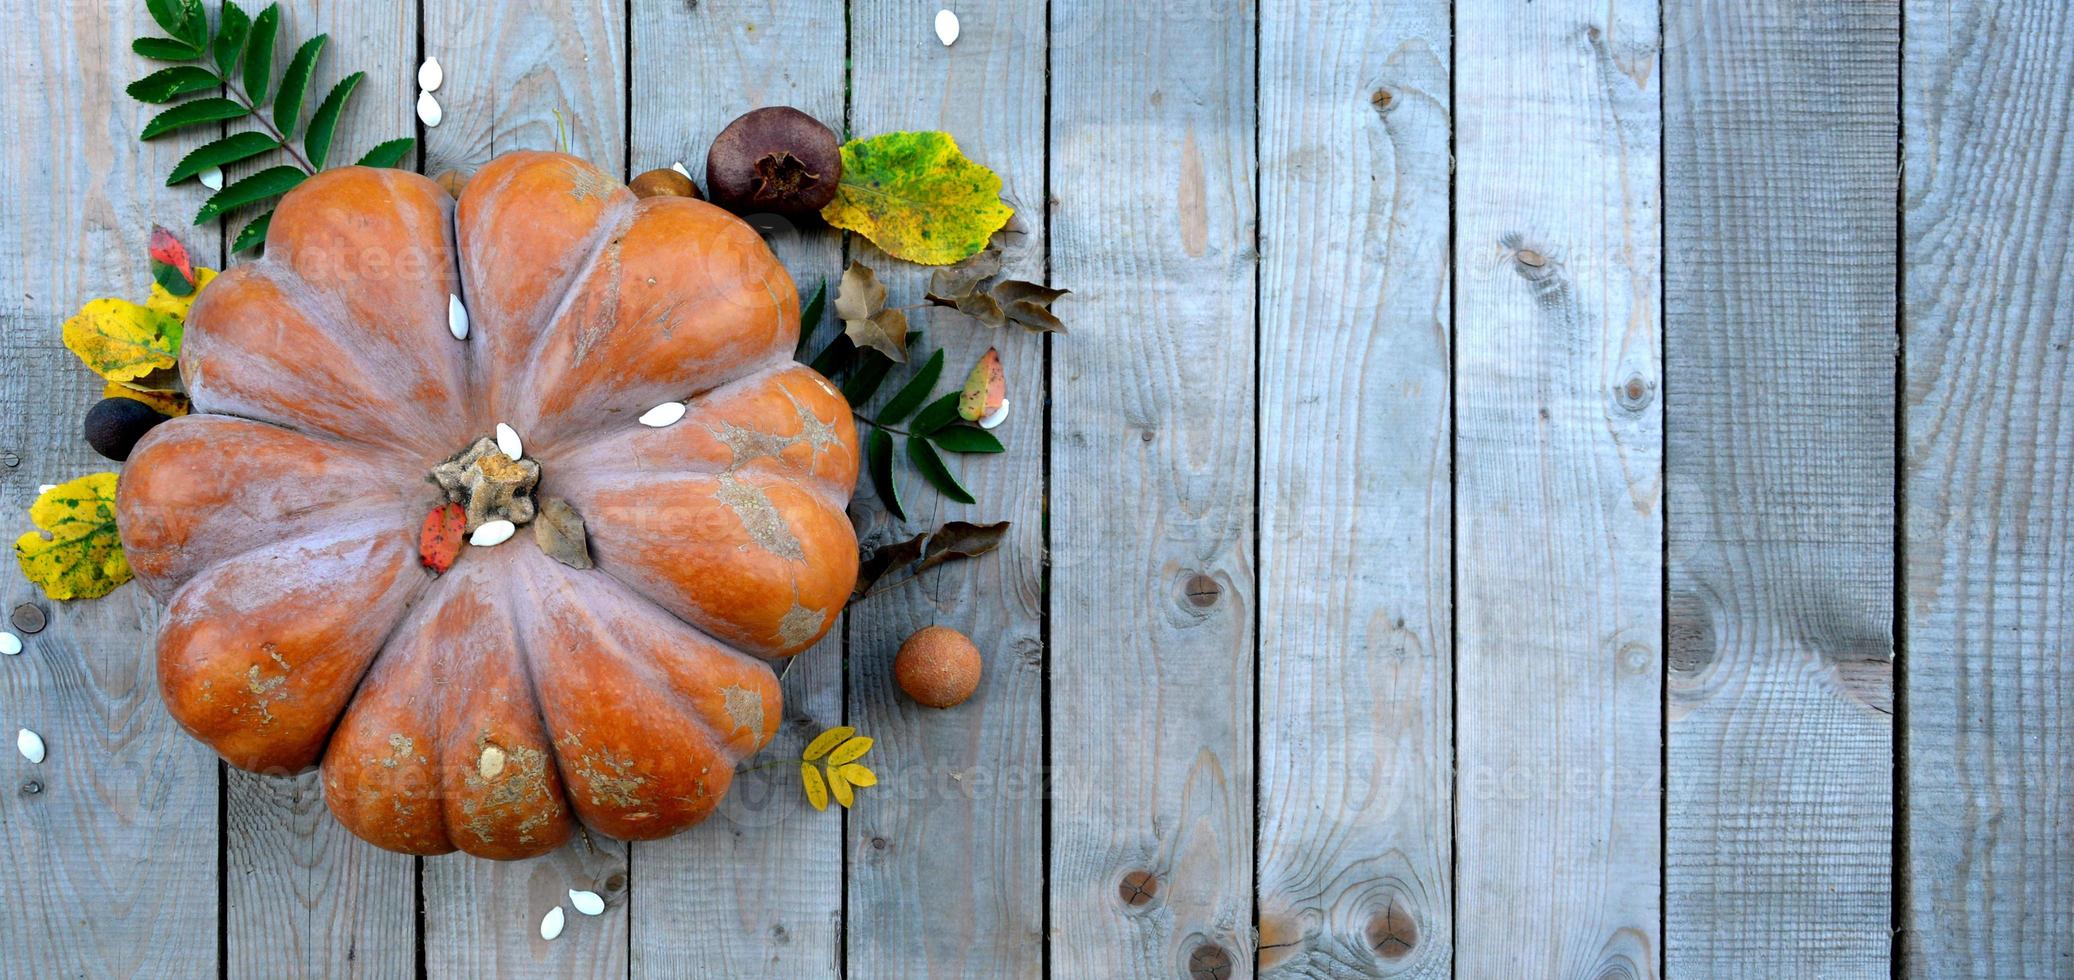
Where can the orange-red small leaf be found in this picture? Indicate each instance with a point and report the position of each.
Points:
(440, 542)
(167, 249)
(986, 388)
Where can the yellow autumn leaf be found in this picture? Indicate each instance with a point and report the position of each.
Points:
(124, 341)
(176, 307)
(817, 791)
(168, 403)
(825, 741)
(82, 556)
(841, 788)
(850, 751)
(917, 197)
(858, 774)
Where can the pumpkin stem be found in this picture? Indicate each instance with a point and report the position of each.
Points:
(489, 485)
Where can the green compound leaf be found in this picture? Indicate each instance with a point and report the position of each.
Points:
(917, 197)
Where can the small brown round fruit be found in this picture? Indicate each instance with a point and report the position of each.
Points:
(774, 160)
(938, 667)
(664, 183)
(453, 180)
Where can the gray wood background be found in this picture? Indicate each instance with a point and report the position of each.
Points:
(1563, 488)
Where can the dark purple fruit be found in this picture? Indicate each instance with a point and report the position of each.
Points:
(114, 425)
(774, 160)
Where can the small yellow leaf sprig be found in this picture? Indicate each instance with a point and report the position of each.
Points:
(130, 344)
(829, 766)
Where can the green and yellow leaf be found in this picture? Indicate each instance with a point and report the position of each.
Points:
(81, 558)
(825, 741)
(171, 404)
(917, 197)
(122, 341)
(817, 791)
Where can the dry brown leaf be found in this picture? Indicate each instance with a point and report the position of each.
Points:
(558, 529)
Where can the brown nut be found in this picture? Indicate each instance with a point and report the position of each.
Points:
(774, 160)
(938, 667)
(664, 183)
(453, 180)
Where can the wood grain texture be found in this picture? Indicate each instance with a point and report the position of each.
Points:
(757, 890)
(946, 856)
(1779, 135)
(1558, 492)
(1355, 686)
(1989, 324)
(509, 68)
(107, 848)
(482, 918)
(302, 896)
(1152, 657)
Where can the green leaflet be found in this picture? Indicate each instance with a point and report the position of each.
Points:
(324, 122)
(878, 458)
(165, 49)
(911, 394)
(938, 414)
(931, 466)
(388, 154)
(168, 84)
(231, 33)
(966, 439)
(254, 234)
(228, 150)
(259, 60)
(251, 190)
(192, 114)
(296, 81)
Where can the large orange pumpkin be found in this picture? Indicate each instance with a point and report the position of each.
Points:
(491, 708)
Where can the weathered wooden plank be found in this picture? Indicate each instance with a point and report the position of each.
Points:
(1989, 621)
(1779, 137)
(509, 69)
(947, 866)
(1152, 666)
(108, 848)
(302, 896)
(1355, 676)
(1558, 491)
(757, 890)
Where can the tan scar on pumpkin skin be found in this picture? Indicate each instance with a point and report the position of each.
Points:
(767, 527)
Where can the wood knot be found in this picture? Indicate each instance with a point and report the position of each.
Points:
(1635, 393)
(1530, 258)
(1393, 932)
(31, 788)
(1202, 591)
(1138, 888)
(1209, 962)
(1383, 100)
(29, 618)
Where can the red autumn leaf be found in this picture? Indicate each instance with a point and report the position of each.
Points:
(440, 542)
(168, 250)
(986, 388)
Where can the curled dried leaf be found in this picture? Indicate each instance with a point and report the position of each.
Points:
(860, 302)
(903, 561)
(558, 529)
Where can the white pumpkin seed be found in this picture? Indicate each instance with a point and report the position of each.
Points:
(429, 111)
(508, 442)
(588, 903)
(212, 178)
(664, 414)
(946, 27)
(30, 744)
(10, 644)
(492, 533)
(430, 75)
(1000, 415)
(551, 924)
(456, 317)
(679, 167)
(46, 488)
